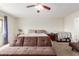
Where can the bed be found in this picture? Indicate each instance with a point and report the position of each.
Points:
(31, 44)
(27, 51)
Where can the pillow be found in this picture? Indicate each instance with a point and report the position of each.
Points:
(32, 31)
(42, 31)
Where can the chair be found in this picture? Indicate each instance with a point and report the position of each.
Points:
(74, 45)
(63, 36)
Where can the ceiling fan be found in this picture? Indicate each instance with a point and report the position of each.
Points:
(39, 7)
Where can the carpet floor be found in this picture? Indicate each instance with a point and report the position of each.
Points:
(63, 49)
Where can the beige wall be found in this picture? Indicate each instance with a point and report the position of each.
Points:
(12, 25)
(49, 24)
(12, 28)
(71, 24)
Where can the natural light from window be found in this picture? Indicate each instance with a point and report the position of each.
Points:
(0, 26)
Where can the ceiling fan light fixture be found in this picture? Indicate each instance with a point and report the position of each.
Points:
(39, 7)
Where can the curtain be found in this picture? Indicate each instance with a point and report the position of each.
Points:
(5, 30)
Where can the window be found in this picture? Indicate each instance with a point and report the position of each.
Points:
(0, 25)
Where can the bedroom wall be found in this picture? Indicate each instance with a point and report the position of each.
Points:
(48, 23)
(12, 26)
(71, 24)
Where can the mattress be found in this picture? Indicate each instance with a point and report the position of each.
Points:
(33, 35)
(27, 51)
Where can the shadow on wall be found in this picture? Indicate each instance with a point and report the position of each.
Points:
(75, 36)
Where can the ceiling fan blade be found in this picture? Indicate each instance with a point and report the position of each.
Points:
(30, 6)
(46, 7)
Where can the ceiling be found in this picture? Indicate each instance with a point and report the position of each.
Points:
(57, 9)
